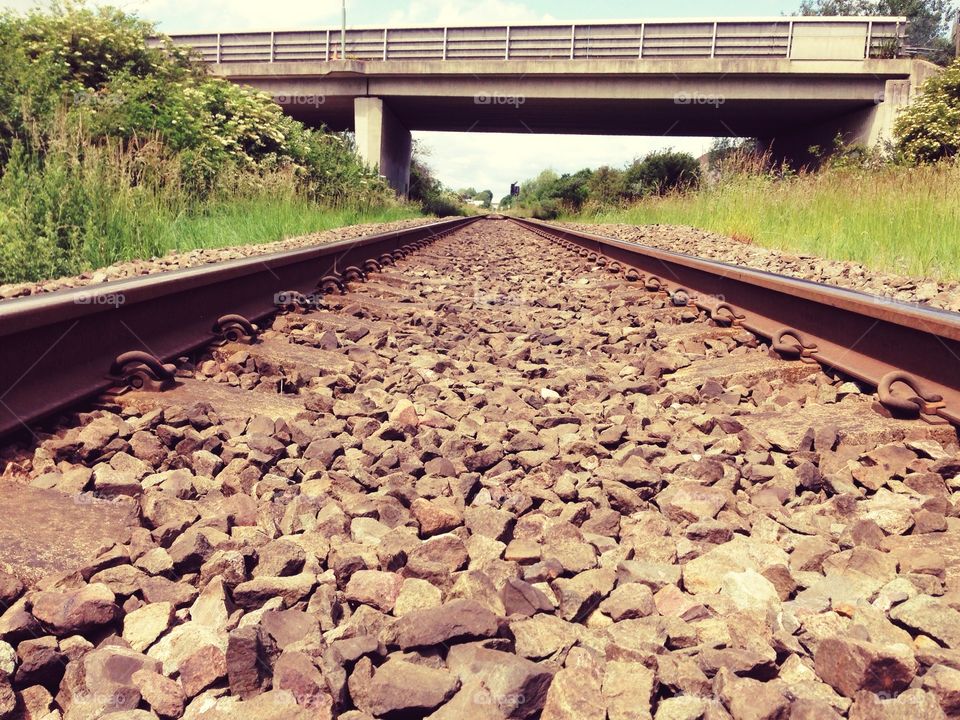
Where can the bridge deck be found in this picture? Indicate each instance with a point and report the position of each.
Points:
(795, 38)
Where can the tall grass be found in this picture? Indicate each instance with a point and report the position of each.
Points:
(899, 219)
(80, 205)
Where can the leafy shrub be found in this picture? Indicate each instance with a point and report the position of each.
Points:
(929, 128)
(104, 141)
(663, 172)
(428, 191)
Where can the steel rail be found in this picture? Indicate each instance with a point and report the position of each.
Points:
(909, 352)
(60, 348)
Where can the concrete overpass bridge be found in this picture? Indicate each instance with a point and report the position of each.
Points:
(793, 82)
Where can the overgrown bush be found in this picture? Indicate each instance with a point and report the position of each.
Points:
(104, 141)
(662, 172)
(425, 189)
(929, 128)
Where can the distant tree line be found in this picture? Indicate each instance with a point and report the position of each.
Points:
(549, 194)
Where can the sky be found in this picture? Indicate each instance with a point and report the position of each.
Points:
(480, 160)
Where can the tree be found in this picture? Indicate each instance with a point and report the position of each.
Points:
(486, 197)
(427, 189)
(606, 185)
(506, 202)
(572, 190)
(662, 172)
(838, 7)
(929, 128)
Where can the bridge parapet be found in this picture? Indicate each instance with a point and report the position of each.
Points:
(792, 38)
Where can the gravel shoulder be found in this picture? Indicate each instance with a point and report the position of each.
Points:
(204, 256)
(703, 243)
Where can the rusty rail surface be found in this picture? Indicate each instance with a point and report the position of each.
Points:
(909, 352)
(59, 348)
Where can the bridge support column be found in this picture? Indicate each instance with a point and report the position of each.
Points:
(870, 127)
(383, 141)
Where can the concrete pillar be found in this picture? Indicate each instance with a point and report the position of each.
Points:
(383, 142)
(871, 126)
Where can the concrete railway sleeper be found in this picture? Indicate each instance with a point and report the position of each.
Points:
(498, 479)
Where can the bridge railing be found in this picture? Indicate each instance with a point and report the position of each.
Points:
(798, 38)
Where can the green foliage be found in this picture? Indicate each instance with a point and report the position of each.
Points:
(606, 185)
(573, 190)
(486, 197)
(537, 196)
(663, 172)
(549, 195)
(428, 191)
(726, 150)
(895, 218)
(104, 141)
(929, 128)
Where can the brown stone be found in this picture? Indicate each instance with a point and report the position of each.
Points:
(515, 686)
(850, 665)
(296, 672)
(402, 687)
(453, 621)
(71, 611)
(575, 694)
(40, 662)
(201, 669)
(248, 667)
(163, 695)
(375, 588)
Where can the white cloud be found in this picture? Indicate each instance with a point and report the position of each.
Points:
(229, 15)
(494, 160)
(21, 5)
(466, 12)
(175, 16)
(222, 15)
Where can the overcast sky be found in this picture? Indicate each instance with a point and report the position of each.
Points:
(461, 159)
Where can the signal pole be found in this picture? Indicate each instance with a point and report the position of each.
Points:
(343, 31)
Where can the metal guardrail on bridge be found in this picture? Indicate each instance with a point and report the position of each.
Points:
(796, 38)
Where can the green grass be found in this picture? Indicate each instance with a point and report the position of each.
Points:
(246, 222)
(897, 219)
(86, 206)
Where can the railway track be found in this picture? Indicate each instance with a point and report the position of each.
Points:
(497, 479)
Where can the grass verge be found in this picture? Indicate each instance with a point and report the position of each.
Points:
(896, 219)
(251, 222)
